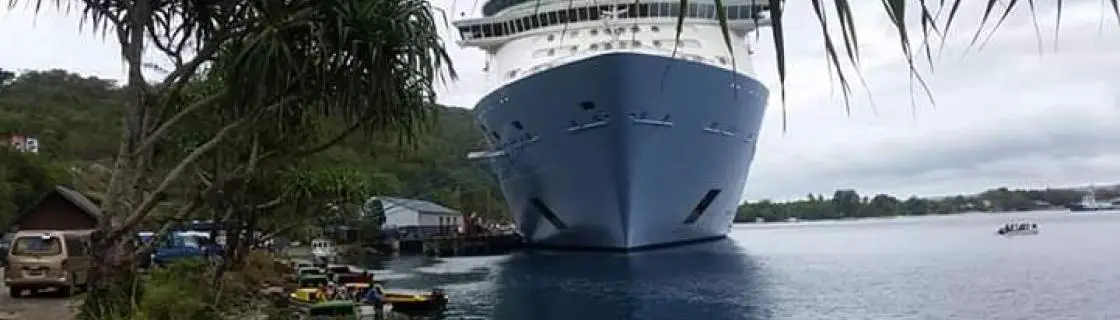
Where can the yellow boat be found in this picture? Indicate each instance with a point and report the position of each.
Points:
(307, 296)
(415, 303)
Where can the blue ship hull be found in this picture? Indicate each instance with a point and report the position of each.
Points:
(624, 150)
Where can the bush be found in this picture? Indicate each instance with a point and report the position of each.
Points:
(179, 291)
(182, 290)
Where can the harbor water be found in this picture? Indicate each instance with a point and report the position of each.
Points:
(945, 267)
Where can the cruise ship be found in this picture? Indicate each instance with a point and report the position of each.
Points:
(609, 128)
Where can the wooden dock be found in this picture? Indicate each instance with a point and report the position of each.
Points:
(462, 245)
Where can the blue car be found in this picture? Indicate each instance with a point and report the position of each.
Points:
(183, 245)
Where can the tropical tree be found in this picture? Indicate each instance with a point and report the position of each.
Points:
(24, 178)
(371, 64)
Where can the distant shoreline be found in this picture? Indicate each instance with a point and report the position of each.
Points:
(893, 217)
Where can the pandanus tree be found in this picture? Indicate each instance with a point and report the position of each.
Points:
(370, 65)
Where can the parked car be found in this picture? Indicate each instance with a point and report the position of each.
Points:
(182, 245)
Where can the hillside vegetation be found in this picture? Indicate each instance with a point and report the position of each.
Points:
(77, 120)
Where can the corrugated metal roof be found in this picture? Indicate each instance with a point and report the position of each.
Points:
(79, 200)
(420, 206)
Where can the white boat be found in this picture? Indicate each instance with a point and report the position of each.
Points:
(1018, 229)
(323, 250)
(1089, 203)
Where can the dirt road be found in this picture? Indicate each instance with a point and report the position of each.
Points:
(43, 306)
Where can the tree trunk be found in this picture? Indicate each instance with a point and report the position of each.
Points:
(250, 241)
(113, 286)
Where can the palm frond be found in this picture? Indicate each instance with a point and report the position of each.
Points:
(935, 22)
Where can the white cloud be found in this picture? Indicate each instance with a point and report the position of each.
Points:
(1006, 115)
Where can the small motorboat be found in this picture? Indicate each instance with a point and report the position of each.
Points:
(336, 269)
(300, 265)
(1018, 229)
(312, 281)
(306, 296)
(356, 284)
(306, 271)
(416, 303)
(310, 271)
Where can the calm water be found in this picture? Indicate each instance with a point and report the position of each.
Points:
(951, 267)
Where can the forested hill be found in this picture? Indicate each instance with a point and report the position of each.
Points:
(76, 119)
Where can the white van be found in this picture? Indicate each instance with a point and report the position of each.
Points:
(323, 249)
(44, 259)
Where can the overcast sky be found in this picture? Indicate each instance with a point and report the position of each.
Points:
(1005, 116)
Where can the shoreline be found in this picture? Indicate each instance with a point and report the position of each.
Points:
(1056, 212)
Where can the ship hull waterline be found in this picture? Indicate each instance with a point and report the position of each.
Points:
(624, 151)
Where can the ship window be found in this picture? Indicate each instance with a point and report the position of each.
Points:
(594, 32)
(582, 14)
(513, 73)
(607, 46)
(657, 43)
(635, 29)
(551, 37)
(636, 44)
(593, 47)
(722, 60)
(517, 124)
(607, 31)
(534, 22)
(693, 11)
(622, 45)
(674, 10)
(552, 18)
(572, 49)
(654, 29)
(643, 10)
(587, 105)
(551, 52)
(732, 12)
(619, 30)
(562, 16)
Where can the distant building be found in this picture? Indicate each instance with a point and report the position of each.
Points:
(20, 142)
(415, 218)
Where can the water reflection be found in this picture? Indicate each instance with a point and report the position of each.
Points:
(706, 281)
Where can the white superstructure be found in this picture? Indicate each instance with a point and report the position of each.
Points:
(525, 37)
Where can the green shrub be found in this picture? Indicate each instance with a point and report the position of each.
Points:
(179, 291)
